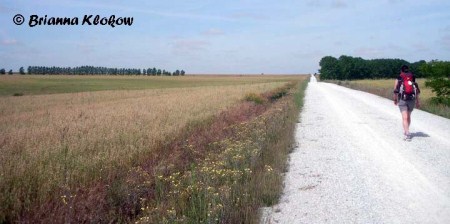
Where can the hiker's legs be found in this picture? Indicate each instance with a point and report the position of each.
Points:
(406, 107)
(409, 118)
(406, 115)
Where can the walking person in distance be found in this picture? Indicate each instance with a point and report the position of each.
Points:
(406, 96)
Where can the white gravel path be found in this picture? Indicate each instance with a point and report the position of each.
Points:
(352, 165)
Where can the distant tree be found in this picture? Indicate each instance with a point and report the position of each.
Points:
(2, 71)
(182, 72)
(159, 72)
(415, 68)
(438, 73)
(22, 71)
(329, 68)
(379, 68)
(361, 69)
(10, 72)
(347, 67)
(144, 71)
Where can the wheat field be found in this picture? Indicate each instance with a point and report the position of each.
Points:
(62, 141)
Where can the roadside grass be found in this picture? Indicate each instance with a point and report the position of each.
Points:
(233, 175)
(385, 87)
(49, 84)
(254, 97)
(94, 156)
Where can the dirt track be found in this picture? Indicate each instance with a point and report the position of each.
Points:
(352, 165)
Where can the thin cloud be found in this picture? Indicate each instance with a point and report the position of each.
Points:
(420, 47)
(334, 4)
(9, 42)
(213, 32)
(309, 54)
(393, 1)
(248, 15)
(85, 48)
(394, 47)
(368, 52)
(313, 3)
(337, 4)
(4, 9)
(339, 43)
(446, 29)
(182, 15)
(190, 45)
(445, 41)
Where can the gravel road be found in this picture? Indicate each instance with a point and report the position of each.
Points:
(351, 164)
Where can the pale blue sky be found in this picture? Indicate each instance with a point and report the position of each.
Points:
(218, 36)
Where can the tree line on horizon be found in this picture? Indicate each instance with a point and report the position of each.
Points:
(93, 70)
(350, 68)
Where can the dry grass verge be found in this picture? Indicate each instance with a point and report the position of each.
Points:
(232, 172)
(385, 87)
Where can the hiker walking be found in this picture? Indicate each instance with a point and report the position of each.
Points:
(406, 96)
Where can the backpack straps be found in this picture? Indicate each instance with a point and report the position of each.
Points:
(399, 83)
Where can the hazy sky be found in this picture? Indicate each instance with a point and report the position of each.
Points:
(217, 36)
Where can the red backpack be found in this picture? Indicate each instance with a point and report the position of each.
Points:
(407, 87)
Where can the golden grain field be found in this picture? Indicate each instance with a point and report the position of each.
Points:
(62, 140)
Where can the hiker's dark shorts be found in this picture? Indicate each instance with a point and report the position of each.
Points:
(406, 105)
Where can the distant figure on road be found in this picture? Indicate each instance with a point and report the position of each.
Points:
(406, 95)
(313, 79)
